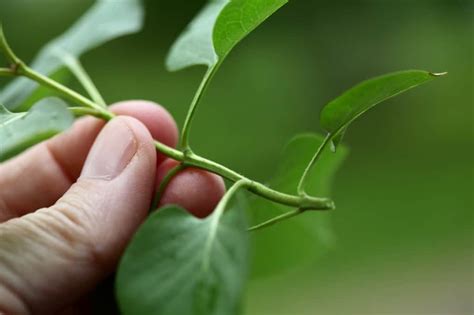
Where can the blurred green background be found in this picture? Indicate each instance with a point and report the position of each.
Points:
(405, 195)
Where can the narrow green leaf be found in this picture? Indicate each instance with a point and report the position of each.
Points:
(307, 236)
(19, 131)
(339, 113)
(179, 264)
(103, 22)
(217, 29)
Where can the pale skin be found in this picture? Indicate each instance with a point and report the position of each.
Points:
(69, 206)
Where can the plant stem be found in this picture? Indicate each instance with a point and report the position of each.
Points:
(184, 144)
(8, 52)
(83, 77)
(302, 182)
(229, 194)
(164, 183)
(215, 218)
(83, 111)
(276, 219)
(303, 202)
(63, 90)
(6, 72)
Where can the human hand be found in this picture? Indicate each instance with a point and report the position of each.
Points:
(93, 186)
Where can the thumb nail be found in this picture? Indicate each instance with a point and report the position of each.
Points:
(112, 151)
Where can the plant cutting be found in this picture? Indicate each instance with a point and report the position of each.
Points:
(208, 274)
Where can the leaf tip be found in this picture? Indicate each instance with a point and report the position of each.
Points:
(438, 74)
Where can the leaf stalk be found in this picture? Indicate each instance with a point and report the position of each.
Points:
(304, 177)
(184, 144)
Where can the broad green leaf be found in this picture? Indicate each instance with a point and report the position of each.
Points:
(194, 46)
(307, 236)
(217, 29)
(238, 19)
(104, 21)
(339, 113)
(179, 264)
(19, 131)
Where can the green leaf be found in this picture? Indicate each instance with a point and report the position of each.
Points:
(19, 131)
(103, 22)
(339, 113)
(309, 235)
(217, 29)
(179, 264)
(238, 19)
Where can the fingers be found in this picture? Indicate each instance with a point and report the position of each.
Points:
(68, 248)
(41, 175)
(196, 190)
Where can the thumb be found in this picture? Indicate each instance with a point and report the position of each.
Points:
(53, 256)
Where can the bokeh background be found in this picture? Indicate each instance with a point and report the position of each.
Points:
(404, 221)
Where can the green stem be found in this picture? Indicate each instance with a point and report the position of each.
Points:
(83, 77)
(63, 90)
(243, 183)
(276, 219)
(215, 218)
(302, 182)
(184, 144)
(164, 183)
(6, 72)
(303, 201)
(7, 51)
(83, 111)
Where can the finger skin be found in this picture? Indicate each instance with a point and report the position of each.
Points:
(50, 258)
(38, 177)
(196, 190)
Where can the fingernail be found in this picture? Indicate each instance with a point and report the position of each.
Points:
(112, 151)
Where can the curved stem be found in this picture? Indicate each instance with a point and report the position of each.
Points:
(164, 183)
(215, 218)
(7, 51)
(313, 161)
(184, 144)
(302, 202)
(229, 194)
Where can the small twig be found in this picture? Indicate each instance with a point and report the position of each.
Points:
(164, 183)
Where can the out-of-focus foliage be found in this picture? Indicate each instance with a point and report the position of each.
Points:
(19, 131)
